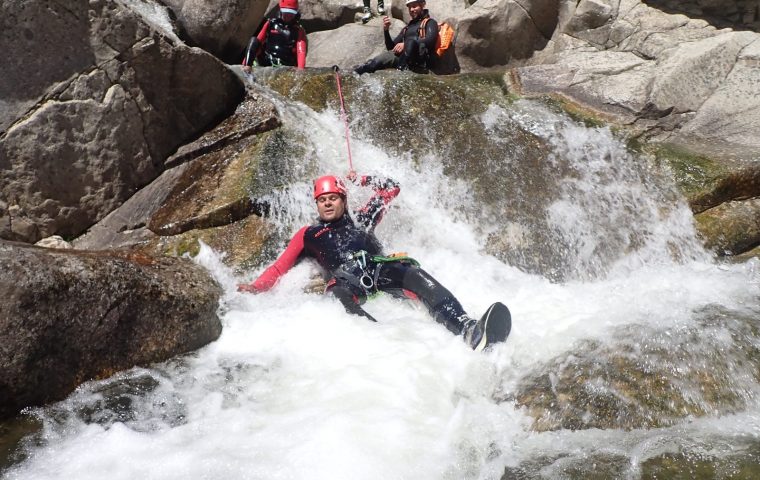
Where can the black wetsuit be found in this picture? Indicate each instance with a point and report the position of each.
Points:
(417, 54)
(278, 43)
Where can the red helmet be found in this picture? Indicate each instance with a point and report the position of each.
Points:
(289, 6)
(329, 184)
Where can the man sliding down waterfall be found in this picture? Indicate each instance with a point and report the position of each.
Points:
(354, 262)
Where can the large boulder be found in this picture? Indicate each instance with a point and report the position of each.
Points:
(494, 33)
(67, 316)
(669, 77)
(187, 184)
(318, 15)
(638, 380)
(222, 27)
(439, 9)
(348, 45)
(732, 227)
(81, 134)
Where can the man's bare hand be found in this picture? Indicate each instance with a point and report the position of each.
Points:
(246, 287)
(351, 176)
(246, 68)
(398, 49)
(386, 23)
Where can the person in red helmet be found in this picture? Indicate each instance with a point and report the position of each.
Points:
(280, 42)
(356, 267)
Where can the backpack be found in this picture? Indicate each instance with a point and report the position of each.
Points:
(445, 38)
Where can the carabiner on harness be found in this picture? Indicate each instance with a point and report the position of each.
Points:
(365, 280)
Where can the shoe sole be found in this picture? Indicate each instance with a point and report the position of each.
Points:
(497, 324)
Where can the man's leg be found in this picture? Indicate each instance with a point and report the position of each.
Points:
(441, 303)
(349, 297)
(414, 57)
(367, 15)
(380, 62)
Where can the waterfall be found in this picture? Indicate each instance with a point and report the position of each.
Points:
(297, 388)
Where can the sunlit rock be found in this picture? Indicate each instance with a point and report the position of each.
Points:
(648, 378)
(494, 33)
(80, 135)
(56, 241)
(732, 227)
(222, 27)
(67, 316)
(439, 9)
(128, 225)
(347, 46)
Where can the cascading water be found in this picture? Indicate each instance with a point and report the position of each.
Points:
(297, 388)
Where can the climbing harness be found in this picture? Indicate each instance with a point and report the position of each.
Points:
(367, 279)
(344, 117)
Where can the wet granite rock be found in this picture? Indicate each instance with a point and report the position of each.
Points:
(69, 316)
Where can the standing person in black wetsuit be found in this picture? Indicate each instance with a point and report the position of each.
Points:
(353, 259)
(368, 13)
(281, 41)
(412, 48)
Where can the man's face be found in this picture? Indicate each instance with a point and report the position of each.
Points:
(330, 207)
(415, 9)
(287, 17)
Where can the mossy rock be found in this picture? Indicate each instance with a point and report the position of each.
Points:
(224, 186)
(741, 258)
(243, 243)
(317, 88)
(705, 180)
(648, 379)
(731, 228)
(733, 459)
(12, 435)
(741, 461)
(581, 114)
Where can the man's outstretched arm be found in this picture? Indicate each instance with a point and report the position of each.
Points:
(280, 267)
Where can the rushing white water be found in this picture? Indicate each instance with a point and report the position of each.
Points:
(295, 388)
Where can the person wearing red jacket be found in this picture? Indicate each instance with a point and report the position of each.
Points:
(355, 265)
(281, 41)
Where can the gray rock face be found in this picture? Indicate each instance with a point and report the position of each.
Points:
(127, 226)
(668, 76)
(94, 99)
(318, 15)
(348, 45)
(493, 33)
(744, 14)
(222, 27)
(66, 317)
(439, 9)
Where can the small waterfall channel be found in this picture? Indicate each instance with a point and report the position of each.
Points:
(633, 353)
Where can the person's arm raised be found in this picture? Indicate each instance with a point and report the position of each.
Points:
(386, 189)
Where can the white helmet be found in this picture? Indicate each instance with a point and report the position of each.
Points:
(414, 1)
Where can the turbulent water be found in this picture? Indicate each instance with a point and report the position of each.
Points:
(296, 388)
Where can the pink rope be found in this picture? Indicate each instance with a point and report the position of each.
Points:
(345, 119)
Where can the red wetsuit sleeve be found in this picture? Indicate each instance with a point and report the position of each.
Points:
(280, 267)
(263, 32)
(301, 48)
(385, 191)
